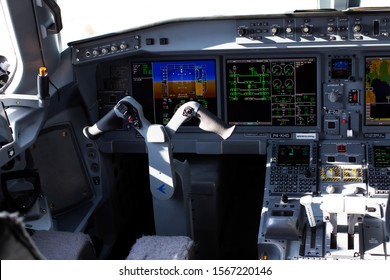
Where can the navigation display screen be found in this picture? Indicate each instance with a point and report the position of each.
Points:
(169, 84)
(272, 92)
(377, 91)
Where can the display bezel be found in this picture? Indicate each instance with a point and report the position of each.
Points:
(273, 128)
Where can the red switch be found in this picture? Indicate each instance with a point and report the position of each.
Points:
(341, 148)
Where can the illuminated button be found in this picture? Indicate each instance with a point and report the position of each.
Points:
(341, 148)
(353, 96)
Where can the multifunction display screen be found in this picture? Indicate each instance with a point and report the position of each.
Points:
(377, 91)
(272, 92)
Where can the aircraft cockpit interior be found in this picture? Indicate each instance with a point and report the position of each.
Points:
(262, 136)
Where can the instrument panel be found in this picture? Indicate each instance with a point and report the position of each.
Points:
(317, 81)
(300, 76)
(325, 95)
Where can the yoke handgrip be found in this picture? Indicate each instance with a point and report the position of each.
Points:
(209, 122)
(109, 122)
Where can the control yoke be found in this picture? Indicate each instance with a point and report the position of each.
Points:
(131, 111)
(158, 137)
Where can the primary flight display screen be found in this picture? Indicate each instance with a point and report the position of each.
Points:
(272, 92)
(169, 84)
(377, 91)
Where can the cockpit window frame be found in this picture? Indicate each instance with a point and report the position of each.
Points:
(8, 49)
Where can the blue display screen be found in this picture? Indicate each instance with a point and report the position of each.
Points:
(169, 84)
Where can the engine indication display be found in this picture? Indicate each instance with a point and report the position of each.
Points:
(273, 92)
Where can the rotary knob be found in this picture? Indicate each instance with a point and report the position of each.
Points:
(242, 31)
(330, 189)
(289, 30)
(357, 28)
(275, 30)
(306, 29)
(330, 29)
(333, 96)
(123, 46)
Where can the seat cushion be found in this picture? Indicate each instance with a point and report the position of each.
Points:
(61, 245)
(162, 248)
(15, 242)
